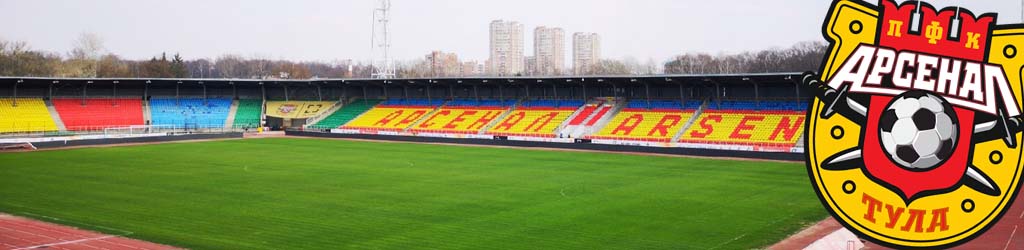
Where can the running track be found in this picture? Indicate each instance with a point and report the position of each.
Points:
(17, 233)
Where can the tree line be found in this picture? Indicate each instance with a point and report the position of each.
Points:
(89, 58)
(804, 56)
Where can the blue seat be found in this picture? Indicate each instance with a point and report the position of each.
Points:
(190, 112)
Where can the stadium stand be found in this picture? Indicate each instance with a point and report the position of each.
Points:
(29, 115)
(773, 123)
(91, 114)
(393, 115)
(536, 118)
(658, 121)
(346, 114)
(190, 112)
(297, 109)
(463, 117)
(248, 114)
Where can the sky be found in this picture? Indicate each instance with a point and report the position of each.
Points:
(328, 30)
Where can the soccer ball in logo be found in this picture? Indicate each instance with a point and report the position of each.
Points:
(918, 130)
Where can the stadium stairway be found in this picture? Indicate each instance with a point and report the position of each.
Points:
(511, 110)
(600, 118)
(689, 124)
(582, 114)
(147, 114)
(230, 121)
(56, 118)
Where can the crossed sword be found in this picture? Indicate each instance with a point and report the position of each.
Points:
(836, 101)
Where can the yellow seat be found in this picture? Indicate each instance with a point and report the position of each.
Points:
(30, 115)
(531, 122)
(747, 128)
(637, 124)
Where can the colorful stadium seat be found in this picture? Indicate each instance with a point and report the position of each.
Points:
(346, 114)
(463, 116)
(190, 112)
(776, 123)
(747, 128)
(655, 125)
(248, 114)
(533, 118)
(29, 115)
(92, 114)
(393, 115)
(297, 109)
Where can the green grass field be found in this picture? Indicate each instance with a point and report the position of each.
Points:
(332, 194)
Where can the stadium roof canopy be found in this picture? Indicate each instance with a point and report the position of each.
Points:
(760, 78)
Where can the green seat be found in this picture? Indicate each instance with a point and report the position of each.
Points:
(346, 114)
(248, 113)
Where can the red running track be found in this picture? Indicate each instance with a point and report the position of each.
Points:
(17, 233)
(1006, 234)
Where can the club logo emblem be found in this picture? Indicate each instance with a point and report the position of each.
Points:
(286, 108)
(913, 136)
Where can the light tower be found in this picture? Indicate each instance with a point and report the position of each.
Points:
(383, 66)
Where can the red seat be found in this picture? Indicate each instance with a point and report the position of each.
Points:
(99, 113)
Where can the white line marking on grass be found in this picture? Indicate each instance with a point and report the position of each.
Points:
(562, 192)
(730, 241)
(1011, 238)
(66, 242)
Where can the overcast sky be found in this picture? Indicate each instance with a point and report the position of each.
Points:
(326, 30)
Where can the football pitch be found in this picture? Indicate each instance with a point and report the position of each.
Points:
(335, 194)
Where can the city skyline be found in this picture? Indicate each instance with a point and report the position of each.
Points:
(329, 30)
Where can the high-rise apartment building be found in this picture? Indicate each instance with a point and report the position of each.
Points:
(586, 52)
(506, 57)
(549, 51)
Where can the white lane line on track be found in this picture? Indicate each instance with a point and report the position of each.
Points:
(66, 242)
(1011, 238)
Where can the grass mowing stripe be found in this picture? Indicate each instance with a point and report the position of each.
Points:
(314, 194)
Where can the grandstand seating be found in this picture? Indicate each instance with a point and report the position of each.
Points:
(92, 114)
(645, 125)
(643, 120)
(297, 109)
(30, 115)
(346, 114)
(248, 113)
(393, 115)
(584, 114)
(532, 121)
(190, 112)
(463, 116)
(774, 123)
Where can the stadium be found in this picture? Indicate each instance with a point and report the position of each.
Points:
(261, 193)
(661, 162)
(901, 129)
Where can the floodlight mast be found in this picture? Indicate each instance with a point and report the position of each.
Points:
(383, 66)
